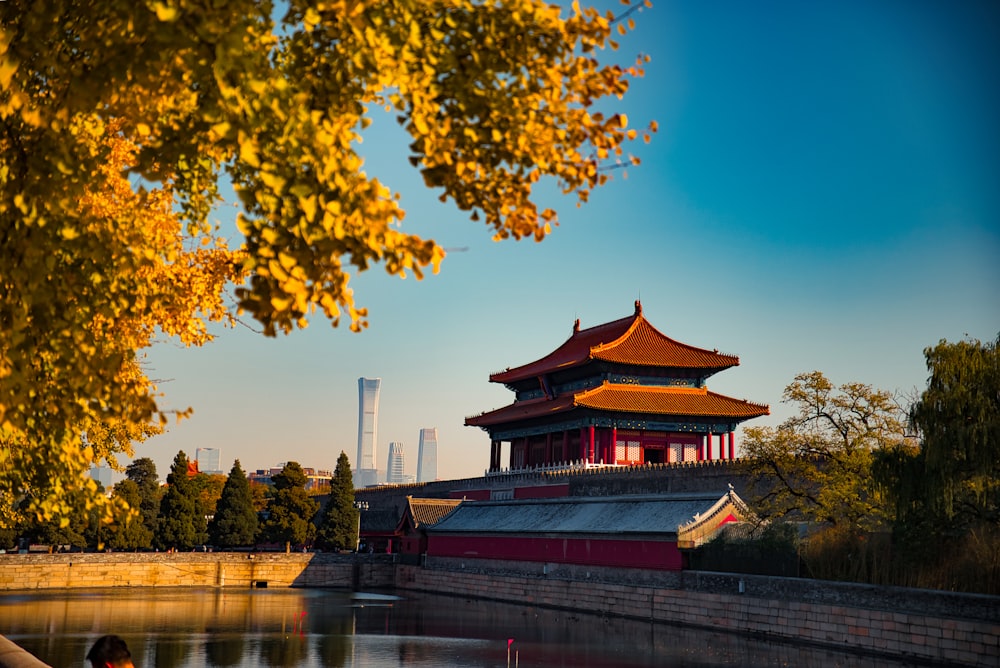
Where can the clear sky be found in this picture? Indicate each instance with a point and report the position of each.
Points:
(823, 194)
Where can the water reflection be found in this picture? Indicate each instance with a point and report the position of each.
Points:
(305, 628)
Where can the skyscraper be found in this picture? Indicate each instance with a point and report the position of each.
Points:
(427, 455)
(395, 463)
(209, 460)
(103, 475)
(365, 467)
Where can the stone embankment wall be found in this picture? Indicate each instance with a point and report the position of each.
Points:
(916, 624)
(191, 569)
(955, 629)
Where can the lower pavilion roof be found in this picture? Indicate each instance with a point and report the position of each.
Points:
(627, 399)
(692, 518)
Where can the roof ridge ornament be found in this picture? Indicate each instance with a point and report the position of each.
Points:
(576, 326)
(638, 307)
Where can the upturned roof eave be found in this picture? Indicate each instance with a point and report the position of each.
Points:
(536, 409)
(589, 345)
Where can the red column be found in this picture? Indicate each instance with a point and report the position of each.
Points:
(565, 454)
(527, 453)
(708, 445)
(494, 455)
(613, 447)
(590, 444)
(732, 445)
(548, 448)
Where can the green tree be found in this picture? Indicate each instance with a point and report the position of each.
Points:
(179, 525)
(142, 472)
(129, 533)
(291, 510)
(951, 483)
(817, 464)
(338, 529)
(958, 416)
(118, 119)
(235, 521)
(208, 489)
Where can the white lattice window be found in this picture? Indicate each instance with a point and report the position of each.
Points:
(627, 451)
(675, 452)
(690, 452)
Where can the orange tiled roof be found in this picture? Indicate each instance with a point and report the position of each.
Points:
(429, 511)
(642, 399)
(630, 340)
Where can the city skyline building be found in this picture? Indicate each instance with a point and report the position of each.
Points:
(395, 463)
(427, 455)
(103, 475)
(209, 460)
(366, 466)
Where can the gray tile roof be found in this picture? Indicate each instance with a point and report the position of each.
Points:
(661, 514)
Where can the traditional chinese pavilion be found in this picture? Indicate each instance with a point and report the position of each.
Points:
(618, 393)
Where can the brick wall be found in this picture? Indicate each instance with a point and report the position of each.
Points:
(190, 569)
(932, 626)
(929, 626)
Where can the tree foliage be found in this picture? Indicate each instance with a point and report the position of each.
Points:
(131, 532)
(959, 418)
(86, 287)
(291, 509)
(235, 521)
(118, 118)
(818, 462)
(179, 525)
(142, 472)
(338, 529)
(952, 483)
(208, 488)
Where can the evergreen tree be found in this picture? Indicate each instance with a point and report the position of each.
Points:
(338, 530)
(235, 520)
(291, 509)
(132, 534)
(142, 472)
(179, 525)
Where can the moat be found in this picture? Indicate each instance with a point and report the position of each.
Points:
(188, 628)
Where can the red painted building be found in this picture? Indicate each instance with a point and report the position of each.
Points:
(619, 393)
(417, 516)
(621, 531)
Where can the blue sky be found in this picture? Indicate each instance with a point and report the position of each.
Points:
(823, 194)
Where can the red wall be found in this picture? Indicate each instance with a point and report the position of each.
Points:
(662, 555)
(471, 494)
(542, 492)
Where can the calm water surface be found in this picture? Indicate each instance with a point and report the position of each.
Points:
(190, 628)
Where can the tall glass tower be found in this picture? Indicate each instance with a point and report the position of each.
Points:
(365, 467)
(209, 460)
(427, 456)
(395, 464)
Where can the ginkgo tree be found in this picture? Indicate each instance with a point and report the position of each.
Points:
(118, 118)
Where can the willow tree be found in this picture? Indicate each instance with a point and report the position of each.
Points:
(116, 114)
(954, 479)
